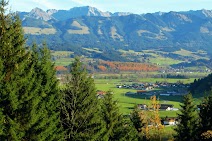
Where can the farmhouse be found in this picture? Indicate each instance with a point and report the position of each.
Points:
(142, 106)
(100, 94)
(167, 107)
(61, 70)
(141, 91)
(170, 121)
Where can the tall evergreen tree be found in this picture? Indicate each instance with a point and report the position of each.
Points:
(80, 111)
(14, 80)
(117, 128)
(187, 129)
(45, 114)
(206, 117)
(23, 108)
(136, 119)
(2, 117)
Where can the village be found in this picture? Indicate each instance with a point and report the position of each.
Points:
(158, 88)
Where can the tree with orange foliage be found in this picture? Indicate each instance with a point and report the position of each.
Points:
(102, 68)
(148, 122)
(157, 128)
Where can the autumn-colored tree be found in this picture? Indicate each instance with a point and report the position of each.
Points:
(128, 66)
(102, 68)
(207, 135)
(148, 122)
(157, 128)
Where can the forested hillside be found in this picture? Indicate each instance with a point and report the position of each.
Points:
(88, 27)
(202, 85)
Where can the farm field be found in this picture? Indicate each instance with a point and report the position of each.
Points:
(127, 102)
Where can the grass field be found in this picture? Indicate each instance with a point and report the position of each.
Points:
(61, 54)
(127, 102)
(39, 31)
(183, 52)
(63, 61)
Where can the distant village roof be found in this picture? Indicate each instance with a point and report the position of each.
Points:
(100, 92)
(60, 68)
(165, 106)
(162, 106)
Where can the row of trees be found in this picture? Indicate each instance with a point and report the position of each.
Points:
(195, 124)
(84, 117)
(34, 107)
(201, 85)
(125, 66)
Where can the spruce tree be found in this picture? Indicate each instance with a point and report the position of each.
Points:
(187, 129)
(24, 103)
(2, 117)
(80, 112)
(206, 117)
(45, 114)
(117, 128)
(14, 75)
(140, 122)
(136, 119)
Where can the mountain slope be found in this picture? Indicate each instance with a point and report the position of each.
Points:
(89, 27)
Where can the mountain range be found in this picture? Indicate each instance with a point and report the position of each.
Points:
(89, 27)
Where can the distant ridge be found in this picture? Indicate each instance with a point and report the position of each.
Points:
(91, 28)
(75, 12)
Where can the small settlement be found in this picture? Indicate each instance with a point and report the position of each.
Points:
(158, 88)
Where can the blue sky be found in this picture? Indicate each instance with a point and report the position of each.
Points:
(134, 6)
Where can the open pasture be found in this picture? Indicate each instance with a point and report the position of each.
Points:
(127, 102)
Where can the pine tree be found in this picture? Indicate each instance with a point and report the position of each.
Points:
(124, 131)
(189, 122)
(80, 111)
(2, 117)
(117, 128)
(45, 114)
(206, 117)
(24, 109)
(136, 119)
(14, 75)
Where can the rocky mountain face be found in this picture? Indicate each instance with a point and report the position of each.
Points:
(75, 12)
(89, 27)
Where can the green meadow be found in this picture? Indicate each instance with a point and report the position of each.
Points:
(127, 102)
